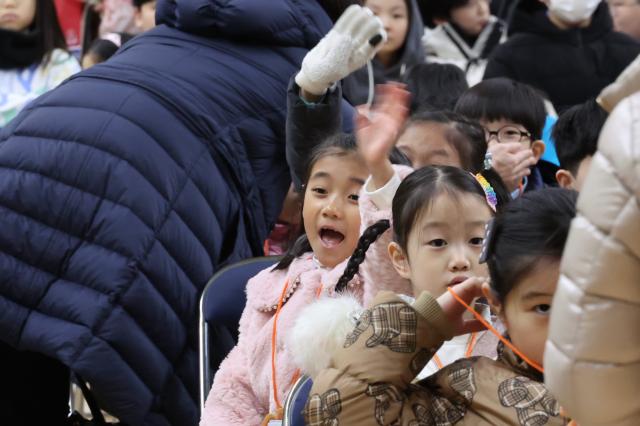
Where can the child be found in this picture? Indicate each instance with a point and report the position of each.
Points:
(567, 49)
(104, 48)
(576, 134)
(34, 58)
(443, 138)
(448, 196)
(370, 378)
(465, 35)
(513, 117)
(145, 14)
(255, 378)
(401, 51)
(435, 87)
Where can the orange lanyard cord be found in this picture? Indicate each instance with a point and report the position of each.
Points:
(472, 343)
(494, 331)
(438, 362)
(273, 346)
(274, 334)
(468, 352)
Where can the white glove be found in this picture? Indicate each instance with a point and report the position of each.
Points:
(627, 83)
(353, 40)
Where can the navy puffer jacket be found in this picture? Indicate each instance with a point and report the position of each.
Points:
(126, 188)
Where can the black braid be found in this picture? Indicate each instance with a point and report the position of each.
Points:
(369, 236)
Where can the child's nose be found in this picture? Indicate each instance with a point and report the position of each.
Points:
(460, 262)
(332, 209)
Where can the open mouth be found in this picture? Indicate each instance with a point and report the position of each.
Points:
(330, 237)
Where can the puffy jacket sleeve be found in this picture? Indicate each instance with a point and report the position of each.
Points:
(592, 357)
(390, 344)
(309, 124)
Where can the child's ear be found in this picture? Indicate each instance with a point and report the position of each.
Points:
(565, 179)
(538, 148)
(496, 305)
(399, 260)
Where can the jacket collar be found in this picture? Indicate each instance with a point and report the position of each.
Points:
(304, 274)
(508, 357)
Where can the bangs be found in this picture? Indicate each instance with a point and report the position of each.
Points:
(504, 99)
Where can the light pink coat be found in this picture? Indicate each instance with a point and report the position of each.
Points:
(242, 392)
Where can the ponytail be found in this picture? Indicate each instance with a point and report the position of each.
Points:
(369, 236)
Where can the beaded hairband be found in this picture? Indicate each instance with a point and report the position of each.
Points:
(489, 193)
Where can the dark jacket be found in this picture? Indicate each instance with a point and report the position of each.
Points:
(310, 123)
(356, 86)
(126, 188)
(570, 66)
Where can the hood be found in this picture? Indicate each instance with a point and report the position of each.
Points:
(293, 23)
(413, 52)
(536, 21)
(356, 86)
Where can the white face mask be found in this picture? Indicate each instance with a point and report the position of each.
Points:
(573, 11)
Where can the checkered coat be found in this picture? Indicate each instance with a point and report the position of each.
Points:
(370, 381)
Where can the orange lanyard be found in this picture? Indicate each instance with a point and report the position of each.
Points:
(274, 334)
(494, 331)
(467, 354)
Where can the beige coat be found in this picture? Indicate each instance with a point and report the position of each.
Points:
(369, 382)
(592, 358)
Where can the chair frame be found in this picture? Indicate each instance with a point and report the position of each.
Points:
(204, 374)
(291, 399)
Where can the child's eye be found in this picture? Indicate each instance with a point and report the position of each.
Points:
(319, 190)
(544, 308)
(476, 241)
(354, 197)
(438, 242)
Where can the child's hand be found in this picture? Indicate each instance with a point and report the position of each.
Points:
(354, 39)
(377, 134)
(454, 310)
(512, 161)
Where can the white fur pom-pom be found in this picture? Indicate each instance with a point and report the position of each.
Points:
(320, 331)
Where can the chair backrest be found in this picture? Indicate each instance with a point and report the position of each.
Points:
(221, 306)
(296, 401)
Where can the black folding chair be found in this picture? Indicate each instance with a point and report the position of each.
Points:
(221, 306)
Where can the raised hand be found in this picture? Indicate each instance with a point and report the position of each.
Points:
(377, 133)
(454, 310)
(354, 39)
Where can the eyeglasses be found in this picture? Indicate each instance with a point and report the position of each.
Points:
(507, 134)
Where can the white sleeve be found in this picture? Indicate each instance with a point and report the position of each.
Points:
(383, 197)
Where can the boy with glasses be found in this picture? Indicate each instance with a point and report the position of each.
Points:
(513, 117)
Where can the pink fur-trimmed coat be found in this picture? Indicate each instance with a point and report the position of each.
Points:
(242, 392)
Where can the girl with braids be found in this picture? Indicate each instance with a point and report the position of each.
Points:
(439, 214)
(253, 381)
